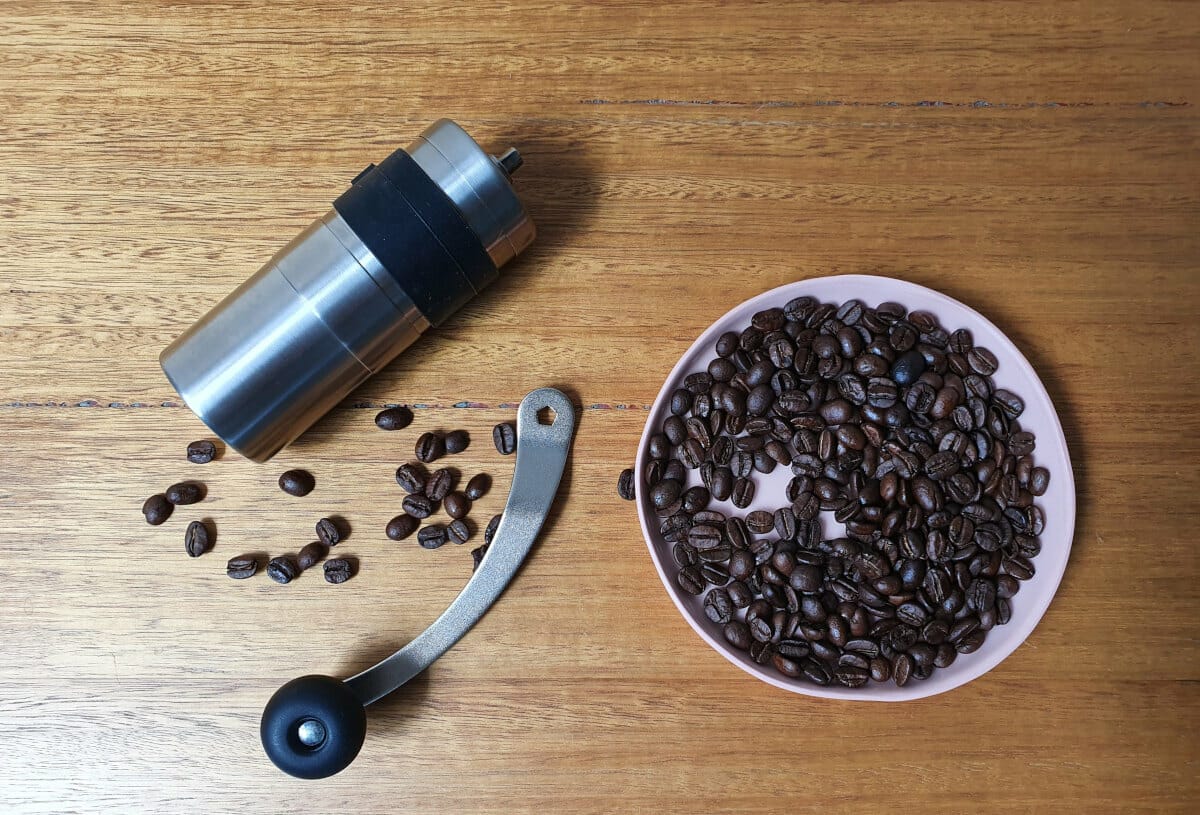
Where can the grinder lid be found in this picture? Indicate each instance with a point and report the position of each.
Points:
(479, 186)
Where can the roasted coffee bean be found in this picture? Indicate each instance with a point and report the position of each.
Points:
(675, 471)
(242, 567)
(691, 580)
(411, 478)
(665, 493)
(430, 447)
(760, 522)
(297, 482)
(457, 505)
(157, 509)
(196, 539)
(458, 531)
(201, 452)
(504, 436)
(1039, 481)
(970, 643)
(456, 441)
(394, 418)
(659, 446)
(743, 493)
(695, 499)
(283, 569)
(625, 484)
(851, 676)
(338, 570)
(901, 669)
(489, 532)
(419, 506)
(477, 555)
(328, 532)
(311, 554)
(718, 607)
(402, 526)
(721, 484)
(188, 492)
(432, 536)
(982, 361)
(737, 634)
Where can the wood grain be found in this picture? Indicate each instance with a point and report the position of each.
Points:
(1036, 160)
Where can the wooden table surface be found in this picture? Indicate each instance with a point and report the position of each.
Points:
(1035, 160)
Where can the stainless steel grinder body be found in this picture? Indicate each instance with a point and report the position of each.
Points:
(408, 244)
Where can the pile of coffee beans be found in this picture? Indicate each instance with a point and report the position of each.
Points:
(888, 421)
(427, 493)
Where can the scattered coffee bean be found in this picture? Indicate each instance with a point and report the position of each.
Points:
(239, 568)
(297, 482)
(439, 484)
(329, 532)
(338, 570)
(157, 509)
(504, 436)
(201, 452)
(457, 440)
(625, 487)
(283, 569)
(394, 418)
(419, 506)
(490, 531)
(402, 526)
(185, 492)
(458, 531)
(456, 505)
(411, 478)
(311, 554)
(477, 555)
(196, 539)
(432, 536)
(480, 483)
(430, 447)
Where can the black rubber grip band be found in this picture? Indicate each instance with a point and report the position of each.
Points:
(418, 235)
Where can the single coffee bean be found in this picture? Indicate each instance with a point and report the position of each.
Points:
(718, 607)
(665, 493)
(480, 483)
(439, 484)
(185, 492)
(456, 505)
(430, 447)
(419, 506)
(504, 436)
(760, 522)
(402, 526)
(338, 570)
(695, 499)
(456, 441)
(743, 493)
(489, 531)
(432, 536)
(201, 452)
(691, 580)
(196, 539)
(311, 554)
(157, 509)
(737, 634)
(659, 446)
(239, 568)
(283, 569)
(394, 418)
(297, 483)
(982, 361)
(458, 531)
(328, 532)
(411, 478)
(477, 555)
(1039, 481)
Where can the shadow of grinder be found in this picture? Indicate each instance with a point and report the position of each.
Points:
(408, 244)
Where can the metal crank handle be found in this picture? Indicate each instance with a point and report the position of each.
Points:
(315, 725)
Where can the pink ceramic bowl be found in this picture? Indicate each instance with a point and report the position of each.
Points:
(1015, 373)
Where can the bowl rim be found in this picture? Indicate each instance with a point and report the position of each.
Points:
(981, 662)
